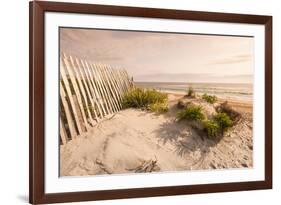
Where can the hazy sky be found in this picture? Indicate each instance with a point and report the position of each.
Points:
(165, 57)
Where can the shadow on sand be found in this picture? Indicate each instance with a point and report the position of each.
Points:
(185, 138)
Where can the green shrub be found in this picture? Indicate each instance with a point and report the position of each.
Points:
(223, 121)
(159, 107)
(209, 98)
(190, 92)
(192, 112)
(142, 98)
(218, 125)
(211, 127)
(226, 108)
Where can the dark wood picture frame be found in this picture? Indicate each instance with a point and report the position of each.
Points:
(37, 193)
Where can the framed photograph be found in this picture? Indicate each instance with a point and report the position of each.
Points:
(140, 102)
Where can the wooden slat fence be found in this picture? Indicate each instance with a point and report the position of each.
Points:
(89, 93)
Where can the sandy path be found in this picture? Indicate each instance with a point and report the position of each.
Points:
(124, 142)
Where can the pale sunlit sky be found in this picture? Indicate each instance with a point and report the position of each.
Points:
(165, 57)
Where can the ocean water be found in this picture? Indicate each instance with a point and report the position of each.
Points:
(231, 91)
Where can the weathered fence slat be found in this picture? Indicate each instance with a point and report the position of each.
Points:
(69, 119)
(116, 80)
(82, 89)
(120, 78)
(63, 134)
(107, 88)
(114, 87)
(86, 84)
(98, 97)
(126, 80)
(108, 102)
(70, 97)
(73, 77)
(93, 91)
(100, 88)
(89, 92)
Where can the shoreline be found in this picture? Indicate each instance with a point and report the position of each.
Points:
(222, 90)
(220, 99)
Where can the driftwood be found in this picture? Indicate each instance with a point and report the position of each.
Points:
(103, 167)
(146, 166)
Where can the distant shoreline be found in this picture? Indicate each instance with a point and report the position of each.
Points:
(226, 91)
(189, 83)
(235, 101)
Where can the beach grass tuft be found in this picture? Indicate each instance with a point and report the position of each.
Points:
(159, 107)
(146, 99)
(190, 92)
(223, 121)
(209, 98)
(211, 127)
(192, 113)
(218, 125)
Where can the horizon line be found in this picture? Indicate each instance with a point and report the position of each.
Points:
(187, 82)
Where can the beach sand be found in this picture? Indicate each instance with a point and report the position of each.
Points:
(134, 140)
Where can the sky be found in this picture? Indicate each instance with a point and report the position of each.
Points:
(165, 57)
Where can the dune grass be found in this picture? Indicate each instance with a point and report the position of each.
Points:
(209, 98)
(211, 128)
(192, 113)
(159, 107)
(190, 92)
(149, 99)
(223, 121)
(216, 126)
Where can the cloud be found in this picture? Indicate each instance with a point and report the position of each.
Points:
(241, 58)
(193, 77)
(144, 54)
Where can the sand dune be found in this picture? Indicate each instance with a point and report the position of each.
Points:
(136, 141)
